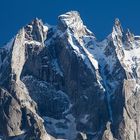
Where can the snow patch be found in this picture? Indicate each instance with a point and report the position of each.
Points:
(33, 42)
(63, 128)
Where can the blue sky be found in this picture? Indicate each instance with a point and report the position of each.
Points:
(98, 15)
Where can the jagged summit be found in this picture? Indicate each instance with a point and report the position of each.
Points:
(117, 22)
(36, 30)
(117, 28)
(129, 36)
(71, 20)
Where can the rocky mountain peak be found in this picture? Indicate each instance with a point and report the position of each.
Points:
(117, 22)
(36, 30)
(129, 36)
(71, 20)
(117, 28)
(117, 34)
(72, 23)
(36, 22)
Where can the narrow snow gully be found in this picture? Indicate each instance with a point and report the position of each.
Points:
(97, 58)
(107, 93)
(97, 52)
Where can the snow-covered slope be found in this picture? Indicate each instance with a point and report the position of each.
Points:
(60, 82)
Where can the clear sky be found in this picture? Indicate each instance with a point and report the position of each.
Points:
(98, 15)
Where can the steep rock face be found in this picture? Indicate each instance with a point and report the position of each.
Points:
(17, 92)
(9, 109)
(129, 126)
(60, 79)
(59, 82)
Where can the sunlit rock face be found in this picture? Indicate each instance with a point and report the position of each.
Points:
(60, 82)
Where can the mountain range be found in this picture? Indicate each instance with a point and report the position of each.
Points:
(61, 83)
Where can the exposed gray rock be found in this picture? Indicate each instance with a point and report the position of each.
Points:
(10, 114)
(107, 133)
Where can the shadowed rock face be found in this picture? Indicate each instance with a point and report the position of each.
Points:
(9, 108)
(59, 82)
